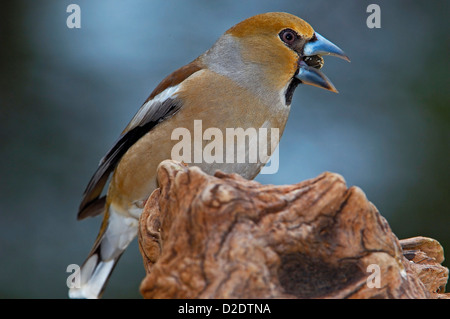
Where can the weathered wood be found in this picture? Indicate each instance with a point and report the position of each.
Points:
(223, 236)
(425, 256)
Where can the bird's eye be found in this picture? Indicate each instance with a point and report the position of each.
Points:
(288, 36)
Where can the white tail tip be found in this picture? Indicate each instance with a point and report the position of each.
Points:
(94, 275)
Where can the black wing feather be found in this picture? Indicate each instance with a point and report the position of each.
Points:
(92, 204)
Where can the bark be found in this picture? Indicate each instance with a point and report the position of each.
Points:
(222, 236)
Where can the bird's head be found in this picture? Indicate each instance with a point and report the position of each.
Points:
(277, 48)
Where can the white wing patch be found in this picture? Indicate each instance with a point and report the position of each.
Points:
(147, 109)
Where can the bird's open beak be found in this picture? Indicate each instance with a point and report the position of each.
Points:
(310, 74)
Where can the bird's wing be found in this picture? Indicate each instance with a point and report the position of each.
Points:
(161, 105)
(92, 204)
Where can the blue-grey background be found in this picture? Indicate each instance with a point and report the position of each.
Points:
(66, 94)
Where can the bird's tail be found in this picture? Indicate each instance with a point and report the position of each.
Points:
(115, 235)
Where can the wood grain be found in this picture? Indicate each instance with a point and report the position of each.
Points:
(222, 236)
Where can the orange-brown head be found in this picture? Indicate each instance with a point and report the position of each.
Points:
(275, 49)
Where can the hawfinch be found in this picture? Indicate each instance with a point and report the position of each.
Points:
(245, 80)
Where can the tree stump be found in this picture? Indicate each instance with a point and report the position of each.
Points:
(222, 236)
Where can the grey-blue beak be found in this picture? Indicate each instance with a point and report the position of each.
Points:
(318, 46)
(321, 46)
(311, 76)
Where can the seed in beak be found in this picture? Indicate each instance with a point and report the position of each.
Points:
(315, 61)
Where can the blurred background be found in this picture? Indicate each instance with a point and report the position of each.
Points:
(66, 94)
